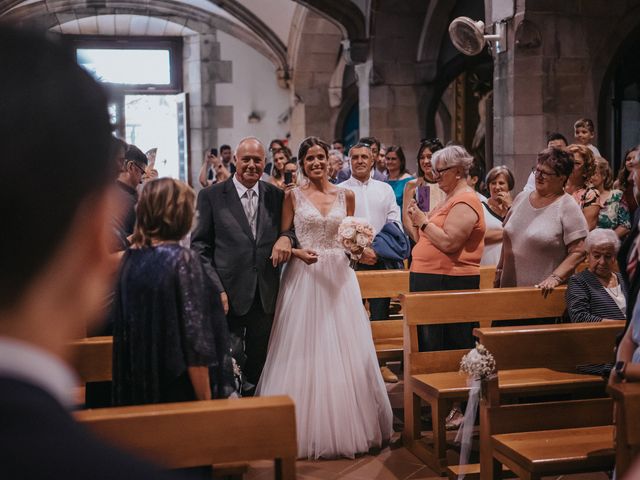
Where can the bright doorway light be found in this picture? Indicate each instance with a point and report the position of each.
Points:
(127, 66)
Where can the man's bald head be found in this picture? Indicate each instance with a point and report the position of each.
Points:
(250, 160)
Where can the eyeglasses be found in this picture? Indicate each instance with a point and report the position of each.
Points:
(440, 171)
(142, 170)
(542, 174)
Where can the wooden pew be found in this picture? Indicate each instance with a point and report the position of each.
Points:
(541, 439)
(627, 412)
(562, 347)
(387, 334)
(92, 358)
(192, 434)
(433, 376)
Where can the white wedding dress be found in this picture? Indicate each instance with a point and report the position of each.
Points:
(321, 352)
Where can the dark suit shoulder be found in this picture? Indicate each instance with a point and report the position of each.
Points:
(217, 187)
(272, 189)
(40, 440)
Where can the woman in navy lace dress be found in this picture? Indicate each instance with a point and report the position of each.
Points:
(171, 341)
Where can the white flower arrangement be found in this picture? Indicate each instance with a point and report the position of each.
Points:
(355, 235)
(478, 363)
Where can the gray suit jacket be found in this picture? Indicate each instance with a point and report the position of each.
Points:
(238, 263)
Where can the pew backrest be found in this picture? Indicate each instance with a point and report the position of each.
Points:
(561, 346)
(393, 283)
(190, 434)
(482, 306)
(92, 358)
(627, 400)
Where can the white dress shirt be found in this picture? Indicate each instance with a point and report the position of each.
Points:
(375, 202)
(26, 362)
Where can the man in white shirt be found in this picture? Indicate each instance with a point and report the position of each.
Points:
(376, 202)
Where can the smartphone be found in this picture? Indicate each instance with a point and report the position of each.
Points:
(214, 152)
(288, 178)
(423, 197)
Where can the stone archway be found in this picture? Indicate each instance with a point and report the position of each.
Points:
(315, 50)
(615, 70)
(49, 13)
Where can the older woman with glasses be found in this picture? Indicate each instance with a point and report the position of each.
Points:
(450, 244)
(544, 230)
(598, 293)
(448, 252)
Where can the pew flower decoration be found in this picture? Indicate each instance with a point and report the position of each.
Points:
(355, 234)
(478, 363)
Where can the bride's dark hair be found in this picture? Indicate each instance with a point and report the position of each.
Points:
(306, 144)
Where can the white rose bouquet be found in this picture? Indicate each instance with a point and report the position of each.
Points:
(355, 235)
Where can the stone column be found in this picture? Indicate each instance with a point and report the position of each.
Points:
(202, 69)
(395, 94)
(542, 83)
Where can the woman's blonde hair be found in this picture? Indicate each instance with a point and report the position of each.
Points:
(165, 211)
(589, 167)
(604, 169)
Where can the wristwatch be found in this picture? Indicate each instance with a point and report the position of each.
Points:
(423, 227)
(619, 369)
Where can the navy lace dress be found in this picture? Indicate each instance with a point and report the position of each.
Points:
(167, 317)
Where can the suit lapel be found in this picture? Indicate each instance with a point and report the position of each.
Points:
(234, 205)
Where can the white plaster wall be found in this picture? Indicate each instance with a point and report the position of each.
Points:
(254, 88)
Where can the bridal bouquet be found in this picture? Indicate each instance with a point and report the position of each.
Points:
(355, 234)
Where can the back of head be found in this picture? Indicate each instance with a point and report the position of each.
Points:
(56, 153)
(370, 141)
(165, 211)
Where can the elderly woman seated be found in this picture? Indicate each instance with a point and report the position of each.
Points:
(598, 293)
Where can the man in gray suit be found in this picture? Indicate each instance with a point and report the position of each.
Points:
(238, 236)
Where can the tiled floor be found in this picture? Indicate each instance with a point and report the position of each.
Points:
(392, 463)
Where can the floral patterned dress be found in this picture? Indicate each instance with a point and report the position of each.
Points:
(586, 196)
(614, 213)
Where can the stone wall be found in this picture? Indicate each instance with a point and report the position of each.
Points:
(542, 87)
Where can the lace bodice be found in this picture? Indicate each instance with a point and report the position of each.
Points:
(315, 231)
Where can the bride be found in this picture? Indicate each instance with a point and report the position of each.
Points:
(321, 352)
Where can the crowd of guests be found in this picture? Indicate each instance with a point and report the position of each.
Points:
(451, 218)
(191, 318)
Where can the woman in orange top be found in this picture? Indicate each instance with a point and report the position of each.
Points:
(450, 245)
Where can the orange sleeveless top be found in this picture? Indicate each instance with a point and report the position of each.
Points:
(427, 258)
